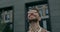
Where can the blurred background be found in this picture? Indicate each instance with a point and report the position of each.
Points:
(13, 14)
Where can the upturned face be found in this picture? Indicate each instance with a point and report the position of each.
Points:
(33, 14)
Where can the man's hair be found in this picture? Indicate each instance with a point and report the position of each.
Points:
(36, 10)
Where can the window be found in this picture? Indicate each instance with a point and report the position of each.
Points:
(44, 12)
(6, 19)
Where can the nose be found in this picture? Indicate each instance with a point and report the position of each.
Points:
(31, 13)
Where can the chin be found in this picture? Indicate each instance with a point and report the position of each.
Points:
(32, 18)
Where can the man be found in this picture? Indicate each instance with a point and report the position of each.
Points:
(34, 18)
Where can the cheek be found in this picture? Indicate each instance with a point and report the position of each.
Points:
(37, 14)
(28, 16)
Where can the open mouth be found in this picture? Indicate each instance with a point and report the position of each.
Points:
(32, 16)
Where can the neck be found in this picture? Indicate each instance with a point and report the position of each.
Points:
(34, 25)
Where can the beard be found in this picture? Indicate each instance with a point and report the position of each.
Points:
(33, 20)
